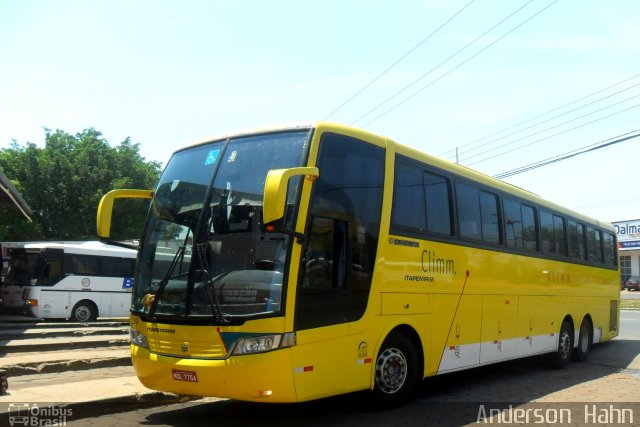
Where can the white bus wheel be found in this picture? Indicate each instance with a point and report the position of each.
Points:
(84, 311)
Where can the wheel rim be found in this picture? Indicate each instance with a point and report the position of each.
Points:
(584, 338)
(565, 345)
(391, 370)
(82, 313)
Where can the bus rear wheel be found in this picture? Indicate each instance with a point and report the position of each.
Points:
(585, 340)
(84, 311)
(396, 371)
(562, 355)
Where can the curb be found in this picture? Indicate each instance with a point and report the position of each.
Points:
(125, 403)
(22, 347)
(34, 368)
(92, 408)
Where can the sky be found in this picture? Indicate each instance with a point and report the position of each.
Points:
(505, 82)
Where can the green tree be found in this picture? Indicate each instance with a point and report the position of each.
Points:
(64, 182)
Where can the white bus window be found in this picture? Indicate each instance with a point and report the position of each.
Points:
(81, 264)
(116, 266)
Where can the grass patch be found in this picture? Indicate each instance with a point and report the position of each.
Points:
(630, 304)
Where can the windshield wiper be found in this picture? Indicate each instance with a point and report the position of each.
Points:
(209, 281)
(177, 259)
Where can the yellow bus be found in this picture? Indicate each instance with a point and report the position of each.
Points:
(290, 264)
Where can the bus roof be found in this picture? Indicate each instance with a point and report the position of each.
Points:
(87, 248)
(413, 153)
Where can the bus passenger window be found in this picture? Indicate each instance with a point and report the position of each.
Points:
(609, 246)
(81, 264)
(520, 225)
(478, 214)
(553, 234)
(117, 267)
(438, 197)
(408, 199)
(594, 245)
(577, 244)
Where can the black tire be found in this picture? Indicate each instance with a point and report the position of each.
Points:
(562, 356)
(396, 371)
(585, 341)
(84, 311)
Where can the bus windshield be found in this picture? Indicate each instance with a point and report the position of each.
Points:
(204, 255)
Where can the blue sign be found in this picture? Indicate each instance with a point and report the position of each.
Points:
(635, 244)
(127, 283)
(212, 157)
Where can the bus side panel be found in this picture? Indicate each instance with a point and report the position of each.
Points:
(604, 319)
(456, 331)
(52, 303)
(538, 323)
(499, 317)
(332, 360)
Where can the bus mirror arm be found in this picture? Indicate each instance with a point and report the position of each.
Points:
(275, 197)
(105, 209)
(279, 227)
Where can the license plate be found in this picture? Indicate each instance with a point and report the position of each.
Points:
(188, 376)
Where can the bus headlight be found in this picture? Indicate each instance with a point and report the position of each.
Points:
(138, 338)
(264, 343)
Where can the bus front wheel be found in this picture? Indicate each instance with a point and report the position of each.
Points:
(84, 311)
(396, 370)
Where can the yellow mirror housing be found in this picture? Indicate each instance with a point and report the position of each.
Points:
(275, 190)
(105, 208)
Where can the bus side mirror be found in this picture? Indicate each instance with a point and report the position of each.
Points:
(275, 191)
(105, 208)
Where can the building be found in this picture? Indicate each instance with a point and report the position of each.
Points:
(629, 247)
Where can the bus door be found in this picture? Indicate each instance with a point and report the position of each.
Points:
(336, 268)
(19, 276)
(44, 299)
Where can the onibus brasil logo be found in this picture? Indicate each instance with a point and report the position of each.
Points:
(26, 414)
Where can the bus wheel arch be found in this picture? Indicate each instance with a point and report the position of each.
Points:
(563, 354)
(585, 339)
(84, 311)
(398, 366)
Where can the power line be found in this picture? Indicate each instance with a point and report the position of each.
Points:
(440, 64)
(409, 52)
(555, 134)
(546, 121)
(542, 115)
(559, 156)
(593, 147)
(459, 65)
(546, 129)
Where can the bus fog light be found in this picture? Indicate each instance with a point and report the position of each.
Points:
(138, 338)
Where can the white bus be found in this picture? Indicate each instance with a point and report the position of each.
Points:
(77, 281)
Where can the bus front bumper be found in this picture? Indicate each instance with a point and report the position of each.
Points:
(263, 377)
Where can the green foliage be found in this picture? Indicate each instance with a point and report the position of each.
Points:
(64, 182)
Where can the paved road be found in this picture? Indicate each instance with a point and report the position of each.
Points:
(629, 295)
(611, 375)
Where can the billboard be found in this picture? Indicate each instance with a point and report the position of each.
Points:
(628, 233)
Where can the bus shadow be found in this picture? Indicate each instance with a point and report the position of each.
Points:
(452, 399)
